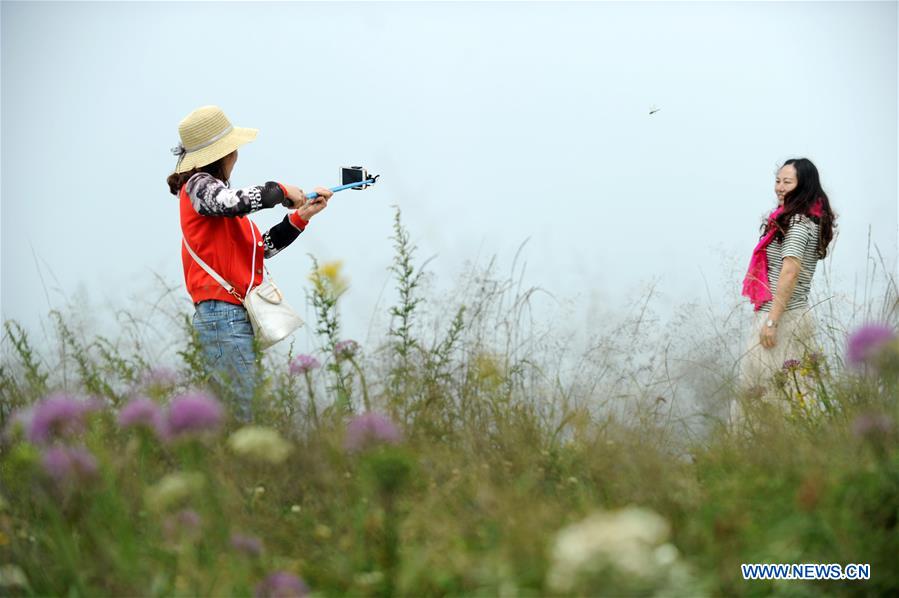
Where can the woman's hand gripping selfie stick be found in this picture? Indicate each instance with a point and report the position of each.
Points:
(369, 180)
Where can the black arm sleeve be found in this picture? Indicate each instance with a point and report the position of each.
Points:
(279, 236)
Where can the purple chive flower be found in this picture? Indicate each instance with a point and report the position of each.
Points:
(302, 364)
(282, 584)
(864, 344)
(248, 545)
(345, 349)
(69, 465)
(189, 518)
(872, 426)
(193, 412)
(791, 365)
(159, 378)
(185, 523)
(370, 429)
(143, 412)
(58, 415)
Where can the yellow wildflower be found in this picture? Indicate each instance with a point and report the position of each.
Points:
(328, 280)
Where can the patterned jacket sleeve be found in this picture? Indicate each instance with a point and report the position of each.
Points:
(211, 197)
(283, 234)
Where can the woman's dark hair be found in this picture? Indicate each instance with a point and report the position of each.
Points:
(177, 180)
(800, 200)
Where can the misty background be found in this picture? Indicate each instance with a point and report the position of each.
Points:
(513, 132)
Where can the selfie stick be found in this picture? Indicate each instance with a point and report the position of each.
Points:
(370, 181)
(313, 195)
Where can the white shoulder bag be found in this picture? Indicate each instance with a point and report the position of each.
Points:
(272, 318)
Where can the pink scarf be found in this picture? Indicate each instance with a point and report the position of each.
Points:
(755, 285)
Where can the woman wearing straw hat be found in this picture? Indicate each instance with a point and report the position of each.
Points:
(793, 238)
(215, 229)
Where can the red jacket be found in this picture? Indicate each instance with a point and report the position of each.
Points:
(230, 245)
(215, 224)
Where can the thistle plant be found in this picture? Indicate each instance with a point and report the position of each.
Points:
(376, 441)
(437, 377)
(59, 417)
(114, 364)
(303, 365)
(194, 414)
(347, 350)
(873, 350)
(35, 378)
(865, 345)
(93, 380)
(281, 583)
(440, 355)
(328, 285)
(143, 413)
(69, 466)
(196, 371)
(157, 383)
(797, 386)
(814, 366)
(145, 417)
(250, 546)
(408, 281)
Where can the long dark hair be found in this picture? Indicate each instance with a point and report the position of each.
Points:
(177, 180)
(800, 200)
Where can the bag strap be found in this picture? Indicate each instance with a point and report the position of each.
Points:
(253, 263)
(210, 271)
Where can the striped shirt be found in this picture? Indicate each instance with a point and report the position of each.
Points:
(801, 242)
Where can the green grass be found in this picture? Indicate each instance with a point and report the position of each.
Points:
(506, 456)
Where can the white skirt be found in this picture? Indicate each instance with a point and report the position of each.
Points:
(795, 339)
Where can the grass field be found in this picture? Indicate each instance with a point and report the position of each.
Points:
(460, 456)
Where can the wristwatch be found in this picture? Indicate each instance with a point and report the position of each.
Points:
(770, 324)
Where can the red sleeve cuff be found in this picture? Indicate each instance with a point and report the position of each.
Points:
(297, 221)
(283, 190)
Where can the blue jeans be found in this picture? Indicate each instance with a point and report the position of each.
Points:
(226, 335)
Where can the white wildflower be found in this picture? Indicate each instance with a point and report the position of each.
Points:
(626, 540)
(173, 489)
(12, 577)
(260, 444)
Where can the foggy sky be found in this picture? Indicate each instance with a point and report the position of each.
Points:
(490, 123)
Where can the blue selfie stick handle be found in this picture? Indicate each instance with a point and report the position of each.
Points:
(313, 195)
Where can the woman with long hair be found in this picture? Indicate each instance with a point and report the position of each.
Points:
(215, 229)
(793, 238)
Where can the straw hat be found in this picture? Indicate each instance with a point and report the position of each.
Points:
(207, 135)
